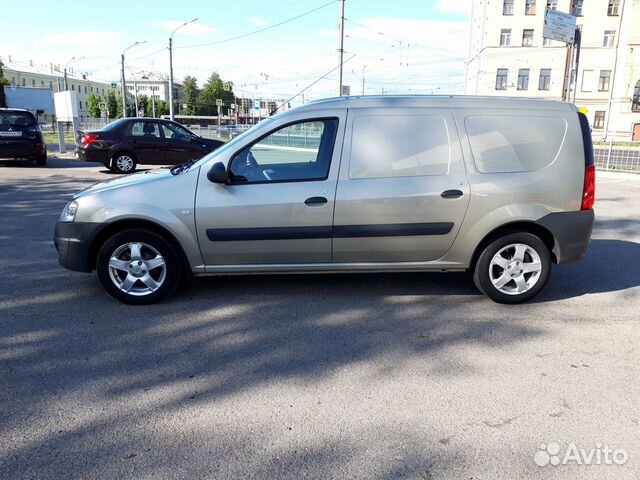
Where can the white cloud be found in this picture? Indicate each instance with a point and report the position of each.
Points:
(457, 7)
(257, 21)
(86, 39)
(195, 29)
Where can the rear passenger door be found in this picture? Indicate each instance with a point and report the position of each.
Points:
(402, 190)
(147, 142)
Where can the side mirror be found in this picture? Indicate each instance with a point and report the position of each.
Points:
(218, 173)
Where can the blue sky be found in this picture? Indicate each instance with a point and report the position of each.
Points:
(401, 46)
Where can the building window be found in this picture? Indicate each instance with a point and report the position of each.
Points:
(527, 38)
(501, 78)
(603, 82)
(73, 87)
(24, 82)
(33, 82)
(42, 83)
(546, 42)
(505, 37)
(80, 104)
(13, 81)
(523, 79)
(51, 85)
(612, 11)
(507, 7)
(609, 38)
(545, 79)
(530, 7)
(635, 102)
(576, 11)
(598, 120)
(552, 4)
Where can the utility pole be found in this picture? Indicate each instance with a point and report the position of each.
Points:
(135, 96)
(171, 114)
(73, 59)
(363, 69)
(123, 81)
(577, 42)
(341, 49)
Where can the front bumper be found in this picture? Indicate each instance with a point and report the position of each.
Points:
(73, 241)
(571, 232)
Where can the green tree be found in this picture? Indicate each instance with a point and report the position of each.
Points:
(213, 90)
(190, 93)
(144, 105)
(93, 105)
(112, 104)
(3, 82)
(162, 108)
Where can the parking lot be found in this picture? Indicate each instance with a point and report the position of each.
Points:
(323, 376)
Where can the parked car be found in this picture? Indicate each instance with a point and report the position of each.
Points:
(502, 188)
(125, 143)
(20, 136)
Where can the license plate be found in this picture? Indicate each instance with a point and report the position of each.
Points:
(10, 134)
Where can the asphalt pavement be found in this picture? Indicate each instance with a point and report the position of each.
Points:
(375, 376)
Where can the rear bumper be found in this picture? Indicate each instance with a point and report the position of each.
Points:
(73, 242)
(93, 155)
(571, 232)
(21, 150)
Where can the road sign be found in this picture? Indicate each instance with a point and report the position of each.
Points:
(218, 102)
(102, 105)
(559, 26)
(226, 86)
(114, 85)
(256, 103)
(346, 90)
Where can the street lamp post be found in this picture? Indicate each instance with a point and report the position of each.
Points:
(122, 79)
(73, 60)
(171, 115)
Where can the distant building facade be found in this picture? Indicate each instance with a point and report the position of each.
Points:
(508, 56)
(155, 85)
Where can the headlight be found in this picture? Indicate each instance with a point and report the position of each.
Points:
(69, 212)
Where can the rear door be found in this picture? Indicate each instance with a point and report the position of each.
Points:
(147, 142)
(402, 191)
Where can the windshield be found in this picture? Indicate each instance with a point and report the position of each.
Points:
(231, 143)
(9, 119)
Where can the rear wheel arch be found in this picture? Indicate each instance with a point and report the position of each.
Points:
(523, 226)
(133, 223)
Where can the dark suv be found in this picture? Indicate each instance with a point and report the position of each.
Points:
(20, 136)
(125, 143)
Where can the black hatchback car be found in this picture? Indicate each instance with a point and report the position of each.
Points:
(127, 142)
(20, 136)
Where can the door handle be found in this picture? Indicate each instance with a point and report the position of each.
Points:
(451, 194)
(315, 201)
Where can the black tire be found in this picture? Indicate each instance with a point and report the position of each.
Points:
(483, 268)
(41, 160)
(172, 267)
(121, 160)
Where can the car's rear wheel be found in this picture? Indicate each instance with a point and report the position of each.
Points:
(513, 268)
(138, 267)
(123, 162)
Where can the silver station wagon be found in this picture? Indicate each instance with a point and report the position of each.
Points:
(499, 187)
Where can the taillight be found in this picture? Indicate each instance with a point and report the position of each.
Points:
(88, 139)
(589, 188)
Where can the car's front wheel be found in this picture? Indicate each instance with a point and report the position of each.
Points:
(513, 268)
(138, 267)
(123, 162)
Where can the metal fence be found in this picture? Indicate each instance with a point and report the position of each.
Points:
(618, 156)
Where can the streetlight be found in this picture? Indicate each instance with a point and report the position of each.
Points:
(73, 60)
(122, 79)
(171, 116)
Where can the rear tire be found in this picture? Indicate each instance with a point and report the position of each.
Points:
(123, 162)
(513, 268)
(138, 267)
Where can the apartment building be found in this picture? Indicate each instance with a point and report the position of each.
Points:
(154, 84)
(508, 56)
(30, 75)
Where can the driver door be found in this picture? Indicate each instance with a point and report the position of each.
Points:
(181, 144)
(277, 207)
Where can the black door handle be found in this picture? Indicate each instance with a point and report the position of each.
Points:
(315, 201)
(451, 194)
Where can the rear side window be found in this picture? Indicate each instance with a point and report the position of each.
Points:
(502, 144)
(9, 119)
(399, 146)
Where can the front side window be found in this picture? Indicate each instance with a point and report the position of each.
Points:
(635, 102)
(505, 37)
(507, 7)
(605, 79)
(545, 79)
(598, 120)
(609, 38)
(576, 11)
(145, 129)
(612, 10)
(527, 37)
(176, 132)
(501, 78)
(298, 152)
(530, 7)
(523, 79)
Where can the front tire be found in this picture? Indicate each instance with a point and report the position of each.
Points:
(513, 269)
(123, 162)
(138, 267)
